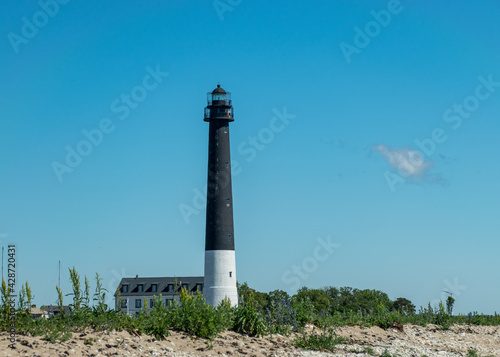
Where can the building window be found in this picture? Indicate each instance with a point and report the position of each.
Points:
(151, 303)
(199, 287)
(124, 288)
(227, 164)
(170, 287)
(138, 303)
(169, 302)
(124, 304)
(228, 202)
(154, 287)
(230, 274)
(140, 288)
(185, 286)
(225, 128)
(229, 237)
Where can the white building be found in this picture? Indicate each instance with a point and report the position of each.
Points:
(138, 294)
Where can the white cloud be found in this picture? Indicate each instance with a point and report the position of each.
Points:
(410, 164)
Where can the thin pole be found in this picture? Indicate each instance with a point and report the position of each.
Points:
(59, 284)
(2, 263)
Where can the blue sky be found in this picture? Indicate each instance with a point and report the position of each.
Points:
(364, 148)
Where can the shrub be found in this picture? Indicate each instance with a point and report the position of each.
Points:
(326, 341)
(248, 319)
(198, 318)
(304, 311)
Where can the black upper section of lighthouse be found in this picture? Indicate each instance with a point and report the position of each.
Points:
(219, 234)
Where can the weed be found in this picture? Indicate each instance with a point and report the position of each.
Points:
(472, 353)
(325, 341)
(369, 350)
(385, 353)
(57, 336)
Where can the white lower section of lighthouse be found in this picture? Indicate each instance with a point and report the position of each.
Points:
(220, 277)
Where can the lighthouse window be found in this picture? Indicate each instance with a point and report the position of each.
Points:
(228, 237)
(227, 202)
(230, 274)
(225, 129)
(227, 164)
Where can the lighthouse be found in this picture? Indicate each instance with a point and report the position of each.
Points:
(220, 264)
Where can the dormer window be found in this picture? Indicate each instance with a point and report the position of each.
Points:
(140, 288)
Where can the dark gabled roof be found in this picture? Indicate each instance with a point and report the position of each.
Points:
(56, 308)
(162, 284)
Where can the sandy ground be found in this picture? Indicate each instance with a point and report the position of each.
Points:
(408, 340)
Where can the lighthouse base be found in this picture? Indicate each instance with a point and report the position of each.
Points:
(220, 277)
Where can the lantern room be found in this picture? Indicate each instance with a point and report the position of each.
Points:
(219, 105)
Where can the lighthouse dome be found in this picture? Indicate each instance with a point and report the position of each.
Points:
(218, 90)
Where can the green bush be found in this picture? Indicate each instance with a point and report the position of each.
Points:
(304, 311)
(198, 318)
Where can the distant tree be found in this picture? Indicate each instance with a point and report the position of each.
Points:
(318, 298)
(278, 296)
(334, 297)
(348, 299)
(368, 300)
(247, 295)
(403, 305)
(449, 305)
